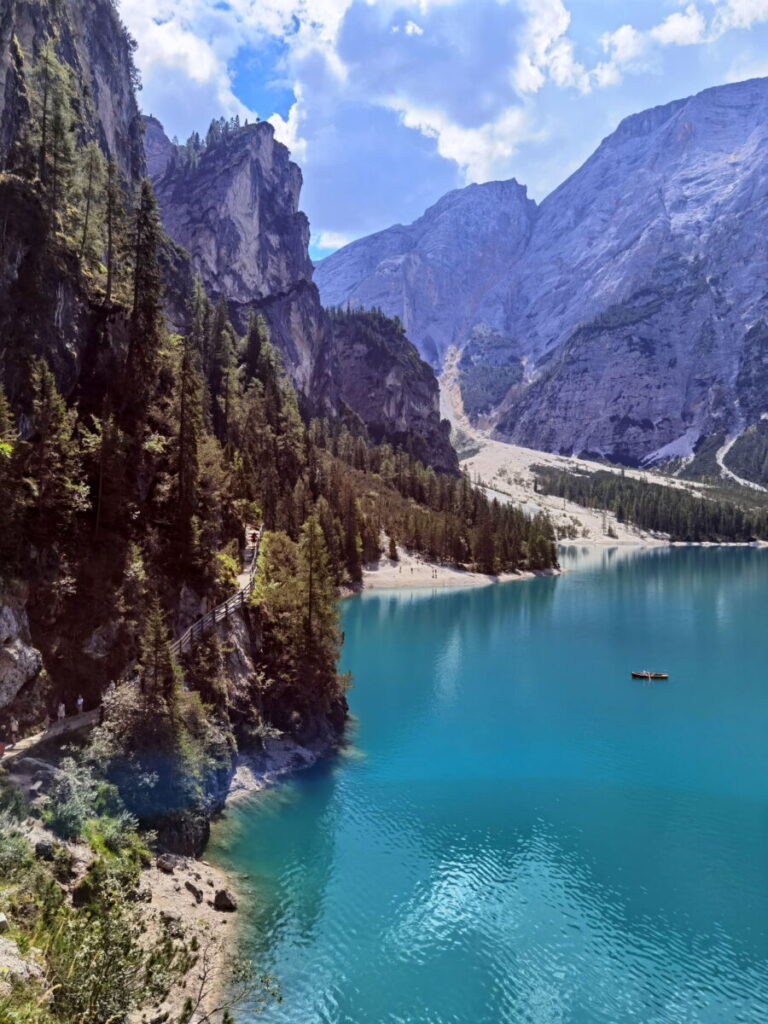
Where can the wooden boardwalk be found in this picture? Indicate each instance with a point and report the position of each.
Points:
(205, 624)
(64, 727)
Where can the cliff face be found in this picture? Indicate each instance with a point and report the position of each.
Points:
(637, 294)
(438, 274)
(235, 209)
(382, 379)
(234, 206)
(44, 304)
(20, 662)
(92, 42)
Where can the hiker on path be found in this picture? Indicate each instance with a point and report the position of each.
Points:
(79, 703)
(61, 711)
(14, 730)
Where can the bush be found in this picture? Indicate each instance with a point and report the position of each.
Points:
(15, 851)
(72, 799)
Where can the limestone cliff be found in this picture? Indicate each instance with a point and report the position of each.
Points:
(234, 206)
(438, 274)
(232, 202)
(20, 662)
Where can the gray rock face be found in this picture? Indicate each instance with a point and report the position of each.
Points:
(439, 274)
(637, 297)
(19, 661)
(92, 42)
(236, 211)
(158, 148)
(382, 379)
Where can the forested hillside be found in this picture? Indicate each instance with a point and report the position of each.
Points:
(666, 510)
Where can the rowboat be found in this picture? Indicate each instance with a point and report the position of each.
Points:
(650, 675)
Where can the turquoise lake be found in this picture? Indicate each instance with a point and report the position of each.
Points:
(519, 832)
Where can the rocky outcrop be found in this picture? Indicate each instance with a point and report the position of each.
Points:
(382, 379)
(20, 662)
(635, 300)
(158, 148)
(234, 206)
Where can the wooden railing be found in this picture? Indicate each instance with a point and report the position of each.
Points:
(222, 611)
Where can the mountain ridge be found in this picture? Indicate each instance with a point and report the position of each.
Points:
(632, 304)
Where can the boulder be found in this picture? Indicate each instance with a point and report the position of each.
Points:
(19, 661)
(167, 863)
(3, 923)
(195, 890)
(224, 901)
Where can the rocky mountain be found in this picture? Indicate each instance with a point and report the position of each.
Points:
(382, 379)
(44, 305)
(232, 202)
(633, 310)
(437, 275)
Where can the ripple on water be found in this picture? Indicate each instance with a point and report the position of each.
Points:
(524, 834)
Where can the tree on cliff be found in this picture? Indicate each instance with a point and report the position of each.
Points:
(159, 670)
(146, 330)
(190, 436)
(50, 462)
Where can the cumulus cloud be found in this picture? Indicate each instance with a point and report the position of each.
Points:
(396, 100)
(683, 28)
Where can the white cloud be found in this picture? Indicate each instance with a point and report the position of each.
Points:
(333, 240)
(546, 52)
(481, 153)
(412, 29)
(683, 28)
(739, 14)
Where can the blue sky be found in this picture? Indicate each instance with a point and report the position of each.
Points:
(388, 104)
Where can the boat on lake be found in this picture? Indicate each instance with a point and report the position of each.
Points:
(650, 675)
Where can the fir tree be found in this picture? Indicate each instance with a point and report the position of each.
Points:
(50, 460)
(115, 223)
(93, 192)
(190, 435)
(159, 670)
(146, 330)
(256, 338)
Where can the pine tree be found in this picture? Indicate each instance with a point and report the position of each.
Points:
(115, 225)
(320, 615)
(190, 435)
(50, 460)
(160, 672)
(256, 338)
(61, 146)
(146, 332)
(93, 192)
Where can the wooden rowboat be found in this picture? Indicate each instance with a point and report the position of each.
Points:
(650, 675)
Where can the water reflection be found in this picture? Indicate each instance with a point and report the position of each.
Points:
(531, 835)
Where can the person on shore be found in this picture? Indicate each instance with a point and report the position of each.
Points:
(14, 730)
(61, 711)
(79, 703)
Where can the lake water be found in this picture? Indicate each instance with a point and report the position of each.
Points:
(520, 832)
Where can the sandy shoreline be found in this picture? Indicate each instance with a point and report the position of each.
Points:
(412, 572)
